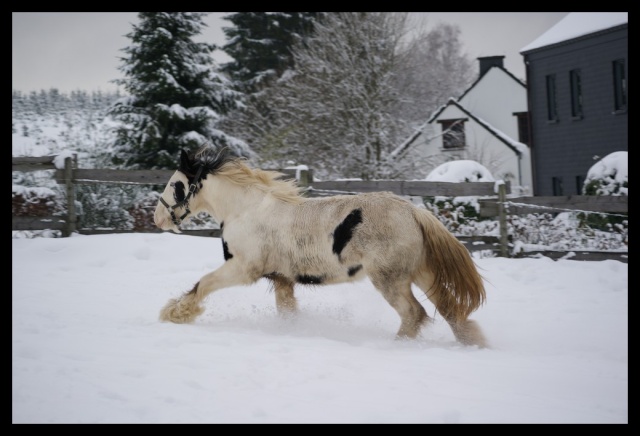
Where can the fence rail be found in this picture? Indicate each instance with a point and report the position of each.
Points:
(136, 177)
(587, 203)
(491, 205)
(417, 188)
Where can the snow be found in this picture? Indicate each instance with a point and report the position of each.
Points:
(459, 171)
(299, 169)
(58, 161)
(613, 169)
(32, 192)
(87, 345)
(577, 24)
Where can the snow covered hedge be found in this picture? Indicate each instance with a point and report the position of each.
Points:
(609, 176)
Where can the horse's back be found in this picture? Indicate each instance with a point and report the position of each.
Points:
(370, 228)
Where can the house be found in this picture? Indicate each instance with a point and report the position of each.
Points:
(577, 79)
(488, 123)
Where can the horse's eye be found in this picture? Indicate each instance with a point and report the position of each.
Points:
(178, 191)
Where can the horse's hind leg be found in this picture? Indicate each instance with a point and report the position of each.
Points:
(465, 330)
(186, 308)
(285, 299)
(468, 332)
(398, 294)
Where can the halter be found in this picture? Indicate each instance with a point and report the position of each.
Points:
(192, 190)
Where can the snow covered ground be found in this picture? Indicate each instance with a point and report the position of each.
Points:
(87, 345)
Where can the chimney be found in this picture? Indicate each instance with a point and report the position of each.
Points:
(490, 61)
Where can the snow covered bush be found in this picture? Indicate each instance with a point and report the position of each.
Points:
(457, 213)
(608, 176)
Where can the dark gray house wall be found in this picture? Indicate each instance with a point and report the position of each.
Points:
(565, 149)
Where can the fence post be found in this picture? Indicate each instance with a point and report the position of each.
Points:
(304, 178)
(502, 220)
(71, 198)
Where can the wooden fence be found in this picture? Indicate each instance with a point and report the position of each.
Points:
(491, 205)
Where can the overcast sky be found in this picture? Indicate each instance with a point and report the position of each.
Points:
(81, 50)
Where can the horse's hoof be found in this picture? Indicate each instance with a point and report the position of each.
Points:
(176, 312)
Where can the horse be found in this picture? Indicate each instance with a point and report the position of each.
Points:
(270, 229)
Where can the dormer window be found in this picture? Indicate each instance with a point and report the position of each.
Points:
(453, 133)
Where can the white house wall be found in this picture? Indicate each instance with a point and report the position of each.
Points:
(494, 99)
(483, 147)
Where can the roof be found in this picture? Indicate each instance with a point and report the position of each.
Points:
(507, 72)
(513, 145)
(575, 25)
(499, 134)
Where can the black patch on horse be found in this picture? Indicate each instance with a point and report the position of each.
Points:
(179, 191)
(344, 231)
(225, 250)
(309, 280)
(353, 270)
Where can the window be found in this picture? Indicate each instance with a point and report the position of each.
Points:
(552, 108)
(576, 94)
(579, 184)
(557, 185)
(453, 133)
(619, 85)
(523, 127)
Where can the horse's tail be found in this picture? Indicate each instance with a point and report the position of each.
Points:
(457, 288)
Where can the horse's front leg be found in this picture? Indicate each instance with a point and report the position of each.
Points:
(285, 298)
(186, 308)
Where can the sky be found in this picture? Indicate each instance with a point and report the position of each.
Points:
(82, 50)
(88, 347)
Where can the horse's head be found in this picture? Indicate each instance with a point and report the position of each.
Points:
(173, 206)
(185, 184)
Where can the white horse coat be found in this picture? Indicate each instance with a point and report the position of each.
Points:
(271, 231)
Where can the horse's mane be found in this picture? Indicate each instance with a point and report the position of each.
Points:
(235, 169)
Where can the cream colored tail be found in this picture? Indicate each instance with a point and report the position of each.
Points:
(457, 289)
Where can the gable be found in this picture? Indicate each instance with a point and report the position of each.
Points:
(496, 88)
(493, 75)
(454, 110)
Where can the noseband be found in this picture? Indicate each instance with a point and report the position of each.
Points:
(192, 190)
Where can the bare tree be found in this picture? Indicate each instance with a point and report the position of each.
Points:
(361, 86)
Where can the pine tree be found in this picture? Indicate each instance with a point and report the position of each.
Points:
(260, 44)
(176, 98)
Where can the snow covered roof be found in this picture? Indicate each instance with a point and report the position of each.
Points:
(577, 24)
